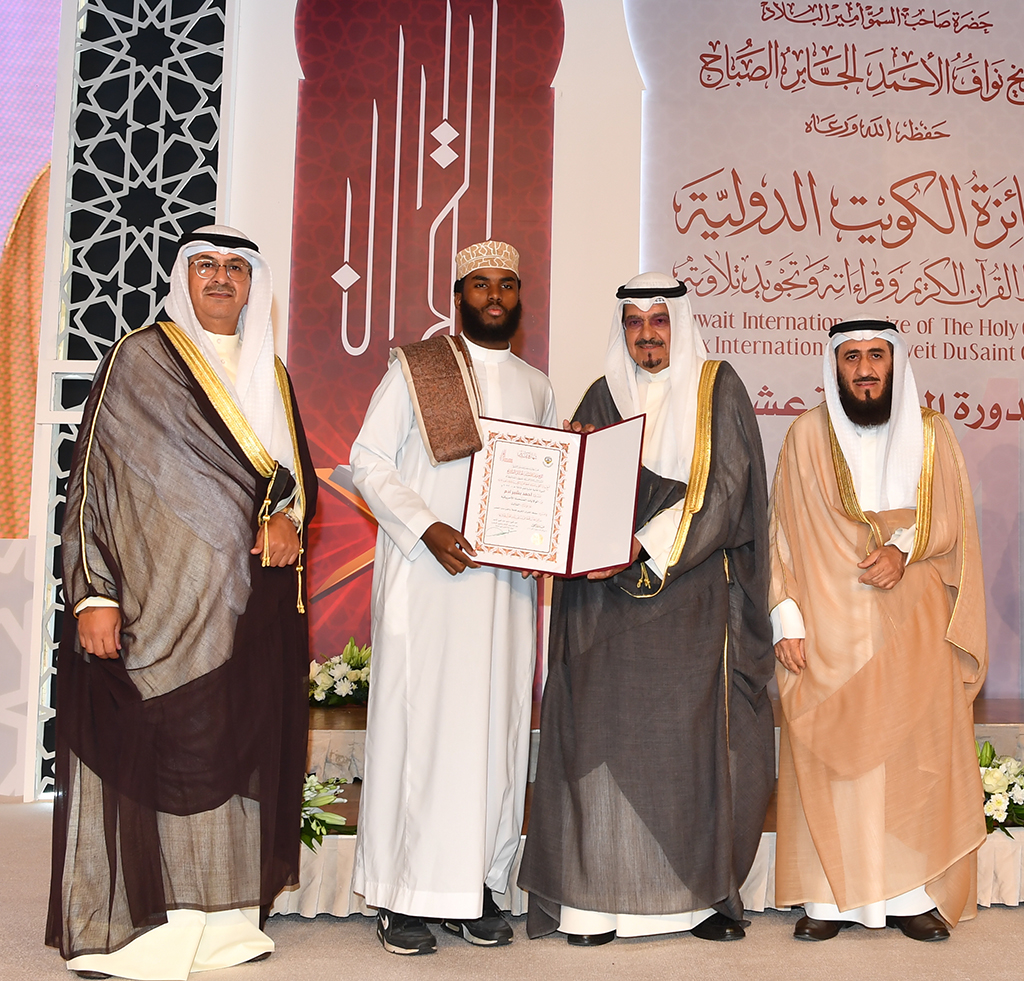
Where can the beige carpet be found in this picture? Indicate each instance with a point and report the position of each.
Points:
(988, 948)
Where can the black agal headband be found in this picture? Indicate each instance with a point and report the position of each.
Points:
(231, 242)
(851, 325)
(650, 292)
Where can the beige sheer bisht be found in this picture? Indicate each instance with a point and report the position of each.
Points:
(879, 791)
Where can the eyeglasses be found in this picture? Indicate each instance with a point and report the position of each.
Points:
(660, 321)
(206, 268)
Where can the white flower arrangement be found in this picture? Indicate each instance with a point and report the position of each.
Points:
(1002, 779)
(316, 822)
(341, 680)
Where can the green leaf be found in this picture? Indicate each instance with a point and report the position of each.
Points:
(986, 754)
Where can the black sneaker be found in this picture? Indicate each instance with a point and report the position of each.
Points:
(401, 934)
(488, 930)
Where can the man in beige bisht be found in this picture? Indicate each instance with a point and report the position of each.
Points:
(879, 619)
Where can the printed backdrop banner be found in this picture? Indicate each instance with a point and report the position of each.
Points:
(807, 163)
(422, 128)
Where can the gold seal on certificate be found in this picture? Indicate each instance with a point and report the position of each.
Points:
(552, 501)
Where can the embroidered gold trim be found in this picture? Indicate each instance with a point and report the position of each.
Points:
(923, 528)
(847, 492)
(700, 469)
(88, 453)
(725, 672)
(226, 407)
(285, 388)
(778, 489)
(725, 653)
(223, 403)
(963, 527)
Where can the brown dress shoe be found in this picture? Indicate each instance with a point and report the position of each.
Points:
(808, 928)
(925, 926)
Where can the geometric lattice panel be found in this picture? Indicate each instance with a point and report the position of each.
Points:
(61, 447)
(142, 169)
(16, 566)
(143, 159)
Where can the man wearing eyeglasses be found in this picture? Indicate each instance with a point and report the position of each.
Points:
(656, 749)
(182, 703)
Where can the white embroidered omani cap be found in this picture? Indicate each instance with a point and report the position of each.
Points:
(486, 255)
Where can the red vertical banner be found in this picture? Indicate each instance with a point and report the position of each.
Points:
(422, 128)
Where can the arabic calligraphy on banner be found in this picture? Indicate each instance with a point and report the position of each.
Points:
(985, 417)
(867, 15)
(985, 210)
(945, 280)
(874, 70)
(808, 163)
(877, 127)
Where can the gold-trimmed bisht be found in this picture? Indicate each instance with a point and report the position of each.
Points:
(700, 471)
(284, 387)
(88, 453)
(233, 417)
(848, 493)
(923, 528)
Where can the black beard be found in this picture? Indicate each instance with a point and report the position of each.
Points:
(477, 328)
(870, 412)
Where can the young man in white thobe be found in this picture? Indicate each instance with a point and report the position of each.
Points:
(448, 729)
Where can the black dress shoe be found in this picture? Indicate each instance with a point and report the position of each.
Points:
(718, 926)
(92, 975)
(925, 926)
(590, 939)
(808, 928)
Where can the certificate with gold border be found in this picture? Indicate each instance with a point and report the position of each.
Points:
(547, 500)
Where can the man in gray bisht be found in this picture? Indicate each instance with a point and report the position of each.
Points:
(657, 741)
(182, 704)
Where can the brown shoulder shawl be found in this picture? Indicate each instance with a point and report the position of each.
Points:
(445, 396)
